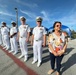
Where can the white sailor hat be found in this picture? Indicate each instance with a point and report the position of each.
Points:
(22, 18)
(39, 18)
(13, 22)
(3, 22)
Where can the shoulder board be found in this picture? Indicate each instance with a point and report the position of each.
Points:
(35, 26)
(26, 24)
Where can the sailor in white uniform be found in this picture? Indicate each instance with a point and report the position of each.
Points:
(23, 35)
(0, 37)
(5, 35)
(13, 38)
(39, 40)
(3, 43)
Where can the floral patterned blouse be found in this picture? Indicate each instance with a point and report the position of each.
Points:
(56, 42)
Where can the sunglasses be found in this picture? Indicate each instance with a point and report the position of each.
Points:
(38, 21)
(58, 25)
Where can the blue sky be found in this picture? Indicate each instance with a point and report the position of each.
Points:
(49, 10)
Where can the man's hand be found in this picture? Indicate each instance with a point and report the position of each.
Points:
(27, 40)
(43, 44)
(11, 36)
(31, 43)
(17, 39)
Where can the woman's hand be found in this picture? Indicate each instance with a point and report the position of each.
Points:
(61, 52)
(55, 53)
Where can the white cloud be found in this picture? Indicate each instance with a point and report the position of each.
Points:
(69, 20)
(30, 5)
(3, 6)
(29, 14)
(6, 13)
(46, 16)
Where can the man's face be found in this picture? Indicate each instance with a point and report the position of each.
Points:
(3, 25)
(39, 23)
(22, 21)
(13, 25)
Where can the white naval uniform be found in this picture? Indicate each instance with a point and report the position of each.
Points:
(0, 37)
(38, 33)
(13, 41)
(23, 30)
(5, 36)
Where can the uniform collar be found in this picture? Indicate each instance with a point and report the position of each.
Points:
(40, 26)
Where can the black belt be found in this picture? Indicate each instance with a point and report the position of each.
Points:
(36, 40)
(21, 37)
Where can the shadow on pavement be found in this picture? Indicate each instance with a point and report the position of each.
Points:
(70, 62)
(68, 50)
(45, 59)
(45, 51)
(30, 55)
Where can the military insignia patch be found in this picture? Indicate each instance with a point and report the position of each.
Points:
(41, 29)
(24, 26)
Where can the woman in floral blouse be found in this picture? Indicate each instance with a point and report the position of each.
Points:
(57, 46)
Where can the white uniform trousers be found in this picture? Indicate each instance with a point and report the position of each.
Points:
(14, 44)
(3, 42)
(6, 41)
(0, 39)
(23, 47)
(37, 51)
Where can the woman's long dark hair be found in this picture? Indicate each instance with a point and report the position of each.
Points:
(55, 24)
